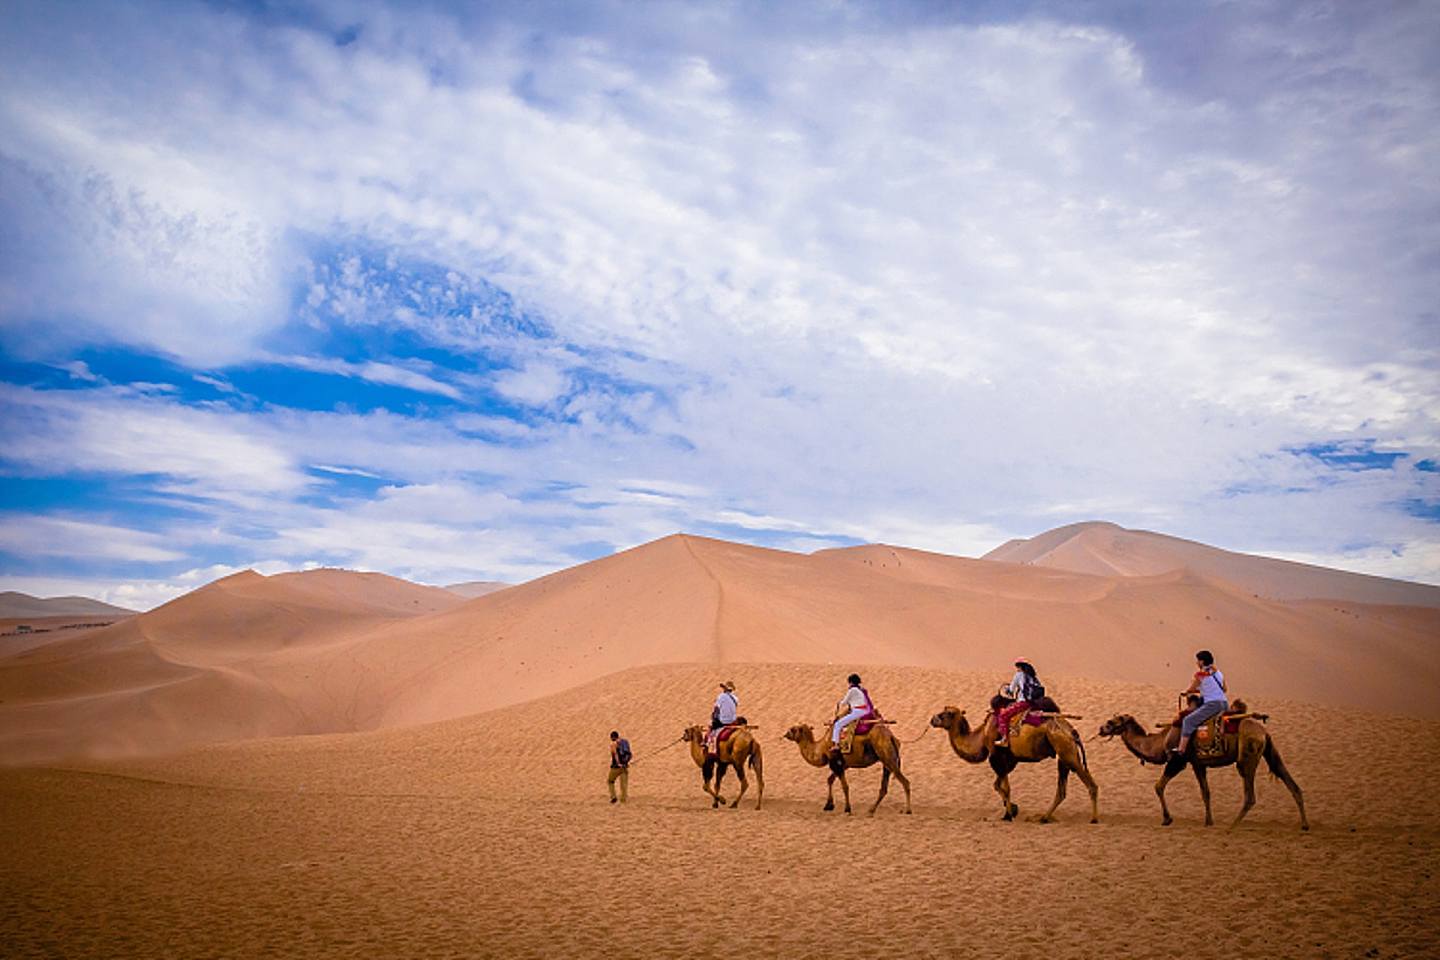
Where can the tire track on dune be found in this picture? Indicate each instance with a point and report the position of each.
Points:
(717, 650)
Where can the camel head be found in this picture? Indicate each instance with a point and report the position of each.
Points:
(1116, 725)
(948, 718)
(800, 733)
(693, 734)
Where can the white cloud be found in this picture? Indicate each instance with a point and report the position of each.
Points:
(535, 385)
(937, 284)
(33, 536)
(382, 373)
(114, 430)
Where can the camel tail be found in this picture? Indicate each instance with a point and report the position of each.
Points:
(1278, 770)
(754, 760)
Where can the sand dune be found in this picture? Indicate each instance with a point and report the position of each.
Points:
(238, 658)
(22, 606)
(329, 651)
(489, 836)
(687, 599)
(475, 588)
(1105, 549)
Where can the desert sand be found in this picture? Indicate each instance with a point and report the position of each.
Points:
(456, 806)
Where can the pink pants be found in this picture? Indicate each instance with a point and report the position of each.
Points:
(1002, 719)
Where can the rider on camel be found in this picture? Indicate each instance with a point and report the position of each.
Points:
(724, 713)
(855, 705)
(1209, 683)
(1025, 689)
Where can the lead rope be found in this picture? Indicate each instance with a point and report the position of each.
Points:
(635, 760)
(927, 729)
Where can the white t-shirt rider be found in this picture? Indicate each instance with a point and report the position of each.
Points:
(854, 699)
(725, 707)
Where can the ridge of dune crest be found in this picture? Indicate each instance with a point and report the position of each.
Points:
(1106, 549)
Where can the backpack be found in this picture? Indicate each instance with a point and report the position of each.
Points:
(1034, 690)
(622, 752)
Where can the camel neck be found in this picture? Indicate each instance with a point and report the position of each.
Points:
(971, 745)
(1149, 747)
(813, 752)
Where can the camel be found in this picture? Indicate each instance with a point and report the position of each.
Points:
(1028, 744)
(736, 751)
(877, 745)
(1251, 742)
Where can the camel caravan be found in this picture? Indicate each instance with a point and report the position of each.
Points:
(1023, 725)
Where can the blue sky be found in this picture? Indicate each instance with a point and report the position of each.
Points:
(477, 293)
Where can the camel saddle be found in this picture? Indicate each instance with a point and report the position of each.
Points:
(1219, 732)
(1212, 739)
(858, 728)
(714, 738)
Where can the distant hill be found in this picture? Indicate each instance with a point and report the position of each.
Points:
(476, 588)
(17, 606)
(1108, 550)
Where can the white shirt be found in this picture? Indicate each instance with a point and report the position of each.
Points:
(725, 705)
(1017, 685)
(853, 700)
(1212, 686)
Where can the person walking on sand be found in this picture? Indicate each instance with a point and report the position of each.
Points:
(854, 705)
(1209, 683)
(619, 766)
(1025, 689)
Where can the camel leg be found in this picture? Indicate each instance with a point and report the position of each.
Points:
(1070, 754)
(830, 792)
(904, 782)
(1278, 768)
(719, 775)
(1062, 775)
(845, 786)
(744, 784)
(759, 767)
(1002, 787)
(1094, 788)
(706, 772)
(1246, 768)
(884, 789)
(1172, 767)
(1203, 779)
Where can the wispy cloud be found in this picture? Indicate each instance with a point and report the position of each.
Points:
(57, 536)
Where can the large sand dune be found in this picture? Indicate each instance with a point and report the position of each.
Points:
(241, 657)
(1106, 549)
(327, 651)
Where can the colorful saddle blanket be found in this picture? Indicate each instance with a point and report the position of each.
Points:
(866, 724)
(1217, 736)
(714, 738)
